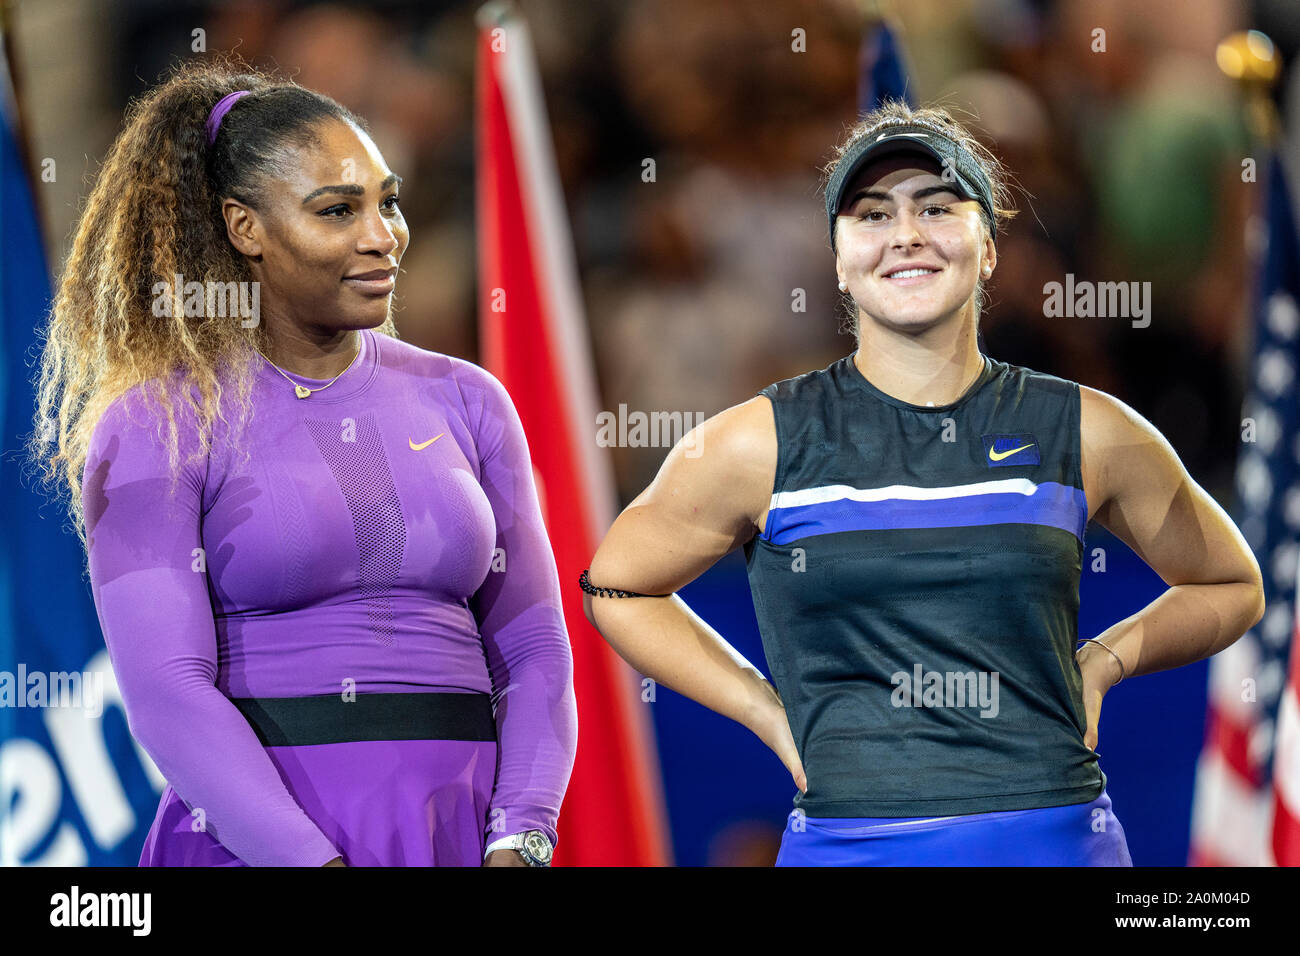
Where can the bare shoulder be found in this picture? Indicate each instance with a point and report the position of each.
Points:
(1109, 416)
(745, 436)
(1146, 497)
(1116, 440)
(1112, 427)
(755, 452)
(709, 497)
(725, 465)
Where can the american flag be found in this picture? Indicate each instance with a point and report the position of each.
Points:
(1246, 807)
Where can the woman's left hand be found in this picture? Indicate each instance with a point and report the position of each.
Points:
(1099, 673)
(505, 858)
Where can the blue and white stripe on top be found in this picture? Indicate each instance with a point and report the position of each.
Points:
(832, 508)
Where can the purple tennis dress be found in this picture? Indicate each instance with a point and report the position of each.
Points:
(349, 643)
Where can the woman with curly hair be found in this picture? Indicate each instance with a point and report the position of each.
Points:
(913, 519)
(325, 586)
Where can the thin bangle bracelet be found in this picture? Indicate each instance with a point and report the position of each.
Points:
(1093, 640)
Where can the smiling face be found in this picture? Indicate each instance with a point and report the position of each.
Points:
(909, 247)
(326, 243)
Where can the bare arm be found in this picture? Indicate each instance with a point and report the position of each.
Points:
(1144, 495)
(710, 496)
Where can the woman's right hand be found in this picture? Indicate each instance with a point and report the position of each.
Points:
(773, 728)
(337, 861)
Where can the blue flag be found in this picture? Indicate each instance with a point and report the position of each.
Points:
(74, 788)
(882, 71)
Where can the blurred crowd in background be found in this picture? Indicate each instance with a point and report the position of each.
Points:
(1126, 164)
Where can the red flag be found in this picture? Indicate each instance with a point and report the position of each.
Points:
(533, 336)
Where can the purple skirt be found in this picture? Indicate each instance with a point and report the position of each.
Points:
(403, 802)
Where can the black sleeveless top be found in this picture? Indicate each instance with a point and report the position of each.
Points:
(917, 592)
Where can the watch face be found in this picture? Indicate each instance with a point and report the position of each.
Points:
(537, 846)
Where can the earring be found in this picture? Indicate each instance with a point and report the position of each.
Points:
(844, 286)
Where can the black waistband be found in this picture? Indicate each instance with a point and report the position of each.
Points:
(330, 719)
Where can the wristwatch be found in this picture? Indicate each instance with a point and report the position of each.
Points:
(532, 845)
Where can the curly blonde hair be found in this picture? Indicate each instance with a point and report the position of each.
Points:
(894, 111)
(155, 212)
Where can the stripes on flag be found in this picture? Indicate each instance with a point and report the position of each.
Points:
(1286, 774)
(1237, 817)
(1231, 805)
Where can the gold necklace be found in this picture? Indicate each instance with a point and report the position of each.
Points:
(302, 391)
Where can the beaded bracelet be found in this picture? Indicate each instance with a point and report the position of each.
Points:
(585, 583)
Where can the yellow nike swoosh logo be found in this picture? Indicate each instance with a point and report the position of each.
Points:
(999, 455)
(425, 444)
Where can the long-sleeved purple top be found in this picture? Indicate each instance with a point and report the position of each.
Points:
(357, 547)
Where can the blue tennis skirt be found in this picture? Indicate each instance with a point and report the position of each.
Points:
(1081, 834)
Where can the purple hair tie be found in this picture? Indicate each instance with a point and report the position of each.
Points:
(219, 113)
